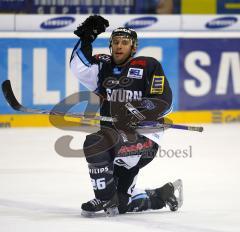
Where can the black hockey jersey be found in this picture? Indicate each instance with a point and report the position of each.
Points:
(140, 79)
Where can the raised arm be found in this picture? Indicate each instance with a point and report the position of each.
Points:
(82, 63)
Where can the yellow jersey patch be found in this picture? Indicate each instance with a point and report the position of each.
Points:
(157, 86)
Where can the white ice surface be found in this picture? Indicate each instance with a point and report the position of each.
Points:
(42, 191)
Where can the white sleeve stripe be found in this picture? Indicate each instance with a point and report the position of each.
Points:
(77, 46)
(83, 58)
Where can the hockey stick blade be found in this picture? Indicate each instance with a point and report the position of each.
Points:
(9, 95)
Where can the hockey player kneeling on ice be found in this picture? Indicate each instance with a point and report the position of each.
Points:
(131, 90)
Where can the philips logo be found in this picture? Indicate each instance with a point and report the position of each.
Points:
(221, 22)
(58, 22)
(141, 22)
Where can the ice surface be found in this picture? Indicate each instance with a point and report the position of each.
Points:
(43, 191)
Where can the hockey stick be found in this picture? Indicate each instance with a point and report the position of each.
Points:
(157, 125)
(13, 102)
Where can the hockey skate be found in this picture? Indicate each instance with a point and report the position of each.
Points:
(90, 208)
(167, 192)
(173, 202)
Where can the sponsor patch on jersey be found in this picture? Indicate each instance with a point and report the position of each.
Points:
(134, 148)
(136, 73)
(142, 63)
(157, 86)
(117, 71)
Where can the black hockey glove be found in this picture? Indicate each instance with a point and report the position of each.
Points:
(130, 114)
(91, 28)
(148, 109)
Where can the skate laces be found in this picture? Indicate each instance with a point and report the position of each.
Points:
(95, 202)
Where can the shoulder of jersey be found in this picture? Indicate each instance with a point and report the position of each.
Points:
(104, 58)
(142, 61)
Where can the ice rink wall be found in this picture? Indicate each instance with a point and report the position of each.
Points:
(200, 56)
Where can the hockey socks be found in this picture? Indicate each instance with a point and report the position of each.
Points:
(102, 180)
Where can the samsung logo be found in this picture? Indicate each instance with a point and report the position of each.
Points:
(58, 22)
(141, 22)
(221, 22)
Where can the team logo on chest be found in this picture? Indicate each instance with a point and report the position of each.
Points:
(122, 95)
(136, 73)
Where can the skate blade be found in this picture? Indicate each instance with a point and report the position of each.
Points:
(178, 186)
(111, 212)
(88, 214)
